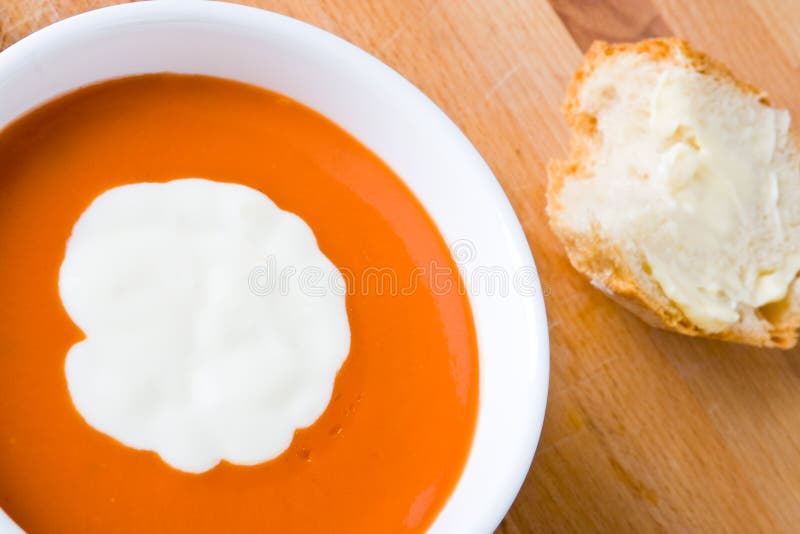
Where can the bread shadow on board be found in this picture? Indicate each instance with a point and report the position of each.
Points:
(730, 376)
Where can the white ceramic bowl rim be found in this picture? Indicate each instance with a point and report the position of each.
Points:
(392, 118)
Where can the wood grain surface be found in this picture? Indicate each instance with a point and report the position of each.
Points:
(645, 430)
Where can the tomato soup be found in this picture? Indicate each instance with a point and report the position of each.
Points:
(391, 445)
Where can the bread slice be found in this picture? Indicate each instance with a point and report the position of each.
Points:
(681, 196)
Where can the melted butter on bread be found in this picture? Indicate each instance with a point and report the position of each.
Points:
(683, 193)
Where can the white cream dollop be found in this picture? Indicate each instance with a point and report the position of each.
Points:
(183, 355)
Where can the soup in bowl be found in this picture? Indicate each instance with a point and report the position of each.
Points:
(256, 280)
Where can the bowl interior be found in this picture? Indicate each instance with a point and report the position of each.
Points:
(397, 122)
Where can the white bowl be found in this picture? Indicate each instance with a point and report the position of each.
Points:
(397, 122)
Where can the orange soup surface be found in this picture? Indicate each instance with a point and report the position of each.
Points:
(389, 449)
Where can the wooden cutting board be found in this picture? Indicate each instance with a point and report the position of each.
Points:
(645, 430)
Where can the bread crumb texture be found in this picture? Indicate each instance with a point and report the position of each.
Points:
(681, 195)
